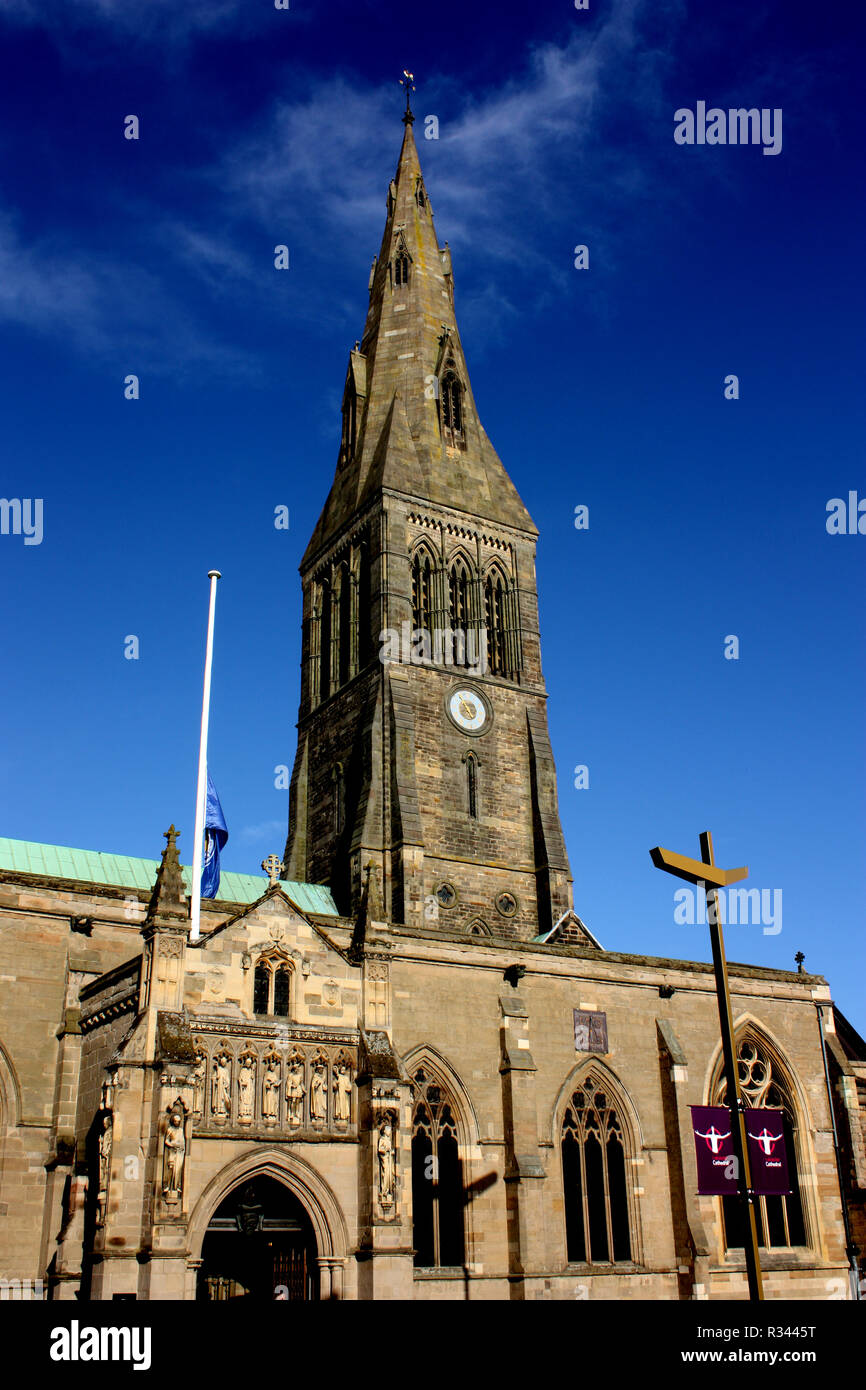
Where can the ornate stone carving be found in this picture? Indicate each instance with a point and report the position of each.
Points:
(295, 1089)
(199, 1079)
(247, 1087)
(386, 1136)
(221, 1088)
(105, 1141)
(342, 1088)
(319, 1091)
(271, 1083)
(214, 984)
(174, 1154)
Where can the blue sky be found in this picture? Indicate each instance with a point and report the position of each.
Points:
(601, 387)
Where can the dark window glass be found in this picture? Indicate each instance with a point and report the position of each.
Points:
(261, 989)
(281, 992)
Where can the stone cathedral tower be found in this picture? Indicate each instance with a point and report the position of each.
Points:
(429, 760)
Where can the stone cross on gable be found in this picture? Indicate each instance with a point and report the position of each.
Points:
(273, 867)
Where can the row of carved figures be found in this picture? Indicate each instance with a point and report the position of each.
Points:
(216, 1099)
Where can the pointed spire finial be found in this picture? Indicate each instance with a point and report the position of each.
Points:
(408, 81)
(168, 899)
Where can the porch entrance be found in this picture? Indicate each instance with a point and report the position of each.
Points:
(259, 1245)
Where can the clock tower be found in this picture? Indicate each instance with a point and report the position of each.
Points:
(423, 747)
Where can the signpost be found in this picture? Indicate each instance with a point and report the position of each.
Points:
(705, 872)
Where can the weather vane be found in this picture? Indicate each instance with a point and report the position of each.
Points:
(408, 81)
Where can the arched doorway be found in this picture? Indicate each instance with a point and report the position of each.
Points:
(259, 1244)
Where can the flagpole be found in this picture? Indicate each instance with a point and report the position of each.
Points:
(195, 899)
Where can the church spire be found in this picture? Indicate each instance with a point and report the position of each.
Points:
(409, 417)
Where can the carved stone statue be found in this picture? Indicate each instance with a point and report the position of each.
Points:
(271, 1090)
(173, 1157)
(198, 1082)
(221, 1087)
(246, 1089)
(342, 1094)
(105, 1139)
(295, 1091)
(318, 1093)
(385, 1154)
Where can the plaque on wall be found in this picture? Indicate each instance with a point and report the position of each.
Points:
(590, 1031)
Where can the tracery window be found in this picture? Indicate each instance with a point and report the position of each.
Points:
(422, 591)
(494, 611)
(451, 397)
(780, 1220)
(401, 269)
(594, 1177)
(272, 988)
(437, 1176)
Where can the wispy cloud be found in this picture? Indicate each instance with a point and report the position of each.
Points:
(162, 20)
(261, 831)
(105, 307)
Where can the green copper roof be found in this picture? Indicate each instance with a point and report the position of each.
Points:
(122, 871)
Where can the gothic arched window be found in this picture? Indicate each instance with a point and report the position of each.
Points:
(325, 685)
(437, 1176)
(364, 600)
(350, 426)
(472, 785)
(345, 624)
(422, 591)
(451, 397)
(494, 612)
(458, 605)
(261, 989)
(594, 1177)
(272, 982)
(401, 269)
(282, 980)
(780, 1220)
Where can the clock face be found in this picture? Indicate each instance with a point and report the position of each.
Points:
(467, 709)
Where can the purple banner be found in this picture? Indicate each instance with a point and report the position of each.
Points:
(768, 1155)
(714, 1150)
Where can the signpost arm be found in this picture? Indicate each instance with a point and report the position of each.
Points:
(734, 1101)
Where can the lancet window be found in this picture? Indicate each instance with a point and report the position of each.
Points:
(780, 1220)
(401, 269)
(451, 398)
(472, 785)
(594, 1176)
(422, 591)
(459, 613)
(437, 1176)
(495, 596)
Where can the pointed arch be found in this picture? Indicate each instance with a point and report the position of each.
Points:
(472, 764)
(769, 1081)
(423, 564)
(451, 405)
(302, 1180)
(496, 618)
(597, 1132)
(461, 576)
(441, 1161)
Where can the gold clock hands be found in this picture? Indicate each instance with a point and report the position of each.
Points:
(466, 709)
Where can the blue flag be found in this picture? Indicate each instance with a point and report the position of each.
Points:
(215, 835)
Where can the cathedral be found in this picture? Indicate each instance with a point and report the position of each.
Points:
(399, 1065)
